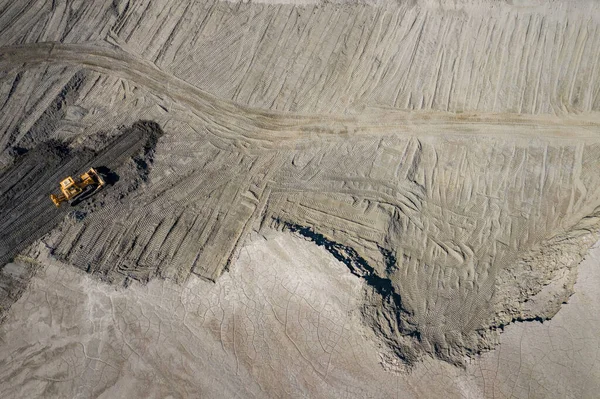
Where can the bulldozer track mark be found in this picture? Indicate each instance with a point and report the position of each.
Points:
(447, 206)
(229, 120)
(26, 212)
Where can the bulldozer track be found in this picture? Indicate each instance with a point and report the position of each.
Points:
(232, 121)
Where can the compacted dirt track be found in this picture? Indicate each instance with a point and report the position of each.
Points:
(387, 192)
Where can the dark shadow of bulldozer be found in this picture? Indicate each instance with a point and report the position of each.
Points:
(109, 176)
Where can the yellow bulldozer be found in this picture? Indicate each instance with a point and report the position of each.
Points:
(74, 191)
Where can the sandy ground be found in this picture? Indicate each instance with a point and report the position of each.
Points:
(283, 322)
(440, 158)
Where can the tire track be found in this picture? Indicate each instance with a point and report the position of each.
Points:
(262, 128)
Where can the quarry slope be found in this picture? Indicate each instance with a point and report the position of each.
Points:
(463, 203)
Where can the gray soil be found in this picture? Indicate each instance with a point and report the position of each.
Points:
(446, 154)
(26, 212)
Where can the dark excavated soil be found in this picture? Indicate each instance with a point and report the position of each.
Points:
(26, 212)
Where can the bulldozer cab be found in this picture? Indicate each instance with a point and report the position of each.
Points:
(69, 187)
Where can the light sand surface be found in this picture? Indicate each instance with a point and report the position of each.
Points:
(283, 322)
(425, 172)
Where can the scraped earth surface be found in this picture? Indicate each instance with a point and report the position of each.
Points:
(423, 176)
(284, 322)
